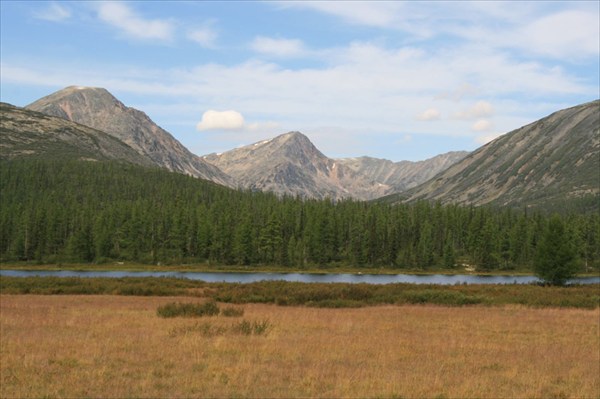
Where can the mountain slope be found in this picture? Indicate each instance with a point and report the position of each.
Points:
(291, 164)
(33, 134)
(97, 108)
(402, 175)
(549, 161)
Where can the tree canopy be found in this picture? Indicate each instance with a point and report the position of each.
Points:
(81, 211)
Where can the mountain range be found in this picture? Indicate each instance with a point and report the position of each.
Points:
(556, 158)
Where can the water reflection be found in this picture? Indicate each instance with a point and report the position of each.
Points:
(442, 279)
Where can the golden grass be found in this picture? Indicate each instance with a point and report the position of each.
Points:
(115, 346)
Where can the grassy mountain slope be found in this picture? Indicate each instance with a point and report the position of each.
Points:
(547, 163)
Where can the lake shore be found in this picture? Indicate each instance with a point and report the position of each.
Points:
(206, 268)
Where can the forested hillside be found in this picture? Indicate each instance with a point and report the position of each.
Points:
(77, 211)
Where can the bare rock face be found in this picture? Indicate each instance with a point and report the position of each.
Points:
(26, 133)
(400, 176)
(290, 164)
(97, 108)
(549, 161)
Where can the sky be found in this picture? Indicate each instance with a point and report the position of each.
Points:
(390, 79)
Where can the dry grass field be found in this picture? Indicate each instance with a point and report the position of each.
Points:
(116, 346)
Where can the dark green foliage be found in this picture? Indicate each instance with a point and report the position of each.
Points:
(96, 212)
(555, 262)
(178, 309)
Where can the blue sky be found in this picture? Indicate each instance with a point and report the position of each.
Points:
(394, 80)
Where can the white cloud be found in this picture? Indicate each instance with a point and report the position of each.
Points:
(54, 12)
(430, 114)
(380, 14)
(120, 16)
(480, 109)
(564, 34)
(278, 47)
(221, 120)
(205, 36)
(482, 125)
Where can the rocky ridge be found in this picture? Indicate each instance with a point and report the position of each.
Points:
(290, 164)
(99, 109)
(26, 133)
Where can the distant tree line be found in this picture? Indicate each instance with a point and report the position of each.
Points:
(77, 211)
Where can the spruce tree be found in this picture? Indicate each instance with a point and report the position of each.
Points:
(555, 262)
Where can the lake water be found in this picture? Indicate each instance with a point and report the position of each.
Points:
(301, 277)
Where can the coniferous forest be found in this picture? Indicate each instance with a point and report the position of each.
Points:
(56, 211)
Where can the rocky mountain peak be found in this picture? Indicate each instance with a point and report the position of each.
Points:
(99, 109)
(291, 164)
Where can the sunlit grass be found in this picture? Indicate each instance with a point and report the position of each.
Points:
(117, 346)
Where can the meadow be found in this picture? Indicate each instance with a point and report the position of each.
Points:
(119, 346)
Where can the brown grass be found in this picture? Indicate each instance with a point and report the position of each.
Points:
(114, 346)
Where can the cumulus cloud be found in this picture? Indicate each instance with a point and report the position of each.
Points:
(54, 12)
(430, 114)
(278, 47)
(132, 25)
(480, 109)
(205, 36)
(482, 125)
(221, 120)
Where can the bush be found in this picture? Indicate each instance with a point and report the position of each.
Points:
(175, 309)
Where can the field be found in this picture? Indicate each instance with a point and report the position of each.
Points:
(117, 346)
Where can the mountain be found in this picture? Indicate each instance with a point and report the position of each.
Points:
(291, 164)
(543, 164)
(33, 134)
(98, 109)
(400, 176)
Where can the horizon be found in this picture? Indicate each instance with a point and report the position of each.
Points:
(391, 80)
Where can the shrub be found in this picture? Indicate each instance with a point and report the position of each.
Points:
(175, 309)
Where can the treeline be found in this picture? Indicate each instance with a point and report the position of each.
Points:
(76, 211)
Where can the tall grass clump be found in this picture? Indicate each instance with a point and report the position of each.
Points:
(178, 309)
(246, 327)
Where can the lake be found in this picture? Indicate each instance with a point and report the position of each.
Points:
(211, 277)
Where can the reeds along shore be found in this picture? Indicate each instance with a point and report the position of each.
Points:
(339, 295)
(117, 346)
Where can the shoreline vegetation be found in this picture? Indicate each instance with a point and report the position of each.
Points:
(324, 295)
